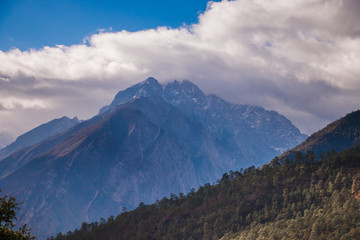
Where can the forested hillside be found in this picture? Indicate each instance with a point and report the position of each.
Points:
(302, 200)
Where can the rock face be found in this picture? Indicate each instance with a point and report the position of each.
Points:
(38, 134)
(149, 142)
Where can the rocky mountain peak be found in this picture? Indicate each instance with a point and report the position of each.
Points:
(184, 93)
(151, 81)
(147, 88)
(185, 87)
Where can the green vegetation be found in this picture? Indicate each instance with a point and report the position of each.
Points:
(8, 207)
(303, 199)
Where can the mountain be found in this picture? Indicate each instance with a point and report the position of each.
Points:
(20, 158)
(38, 134)
(141, 147)
(338, 135)
(318, 200)
(249, 132)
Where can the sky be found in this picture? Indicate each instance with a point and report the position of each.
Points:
(299, 57)
(26, 24)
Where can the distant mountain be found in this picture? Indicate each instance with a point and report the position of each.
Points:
(338, 135)
(38, 134)
(20, 158)
(149, 142)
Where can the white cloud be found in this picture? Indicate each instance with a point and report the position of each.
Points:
(12, 103)
(298, 57)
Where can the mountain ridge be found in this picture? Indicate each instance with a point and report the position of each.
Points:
(338, 135)
(38, 134)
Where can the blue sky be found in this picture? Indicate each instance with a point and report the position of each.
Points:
(28, 24)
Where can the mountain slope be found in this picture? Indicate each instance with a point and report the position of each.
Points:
(338, 135)
(20, 158)
(38, 134)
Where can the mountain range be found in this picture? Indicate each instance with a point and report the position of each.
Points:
(152, 140)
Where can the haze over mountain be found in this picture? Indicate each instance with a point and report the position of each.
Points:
(152, 140)
(38, 134)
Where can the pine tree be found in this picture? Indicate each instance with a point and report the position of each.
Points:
(8, 207)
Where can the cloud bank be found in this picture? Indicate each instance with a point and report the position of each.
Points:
(298, 57)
